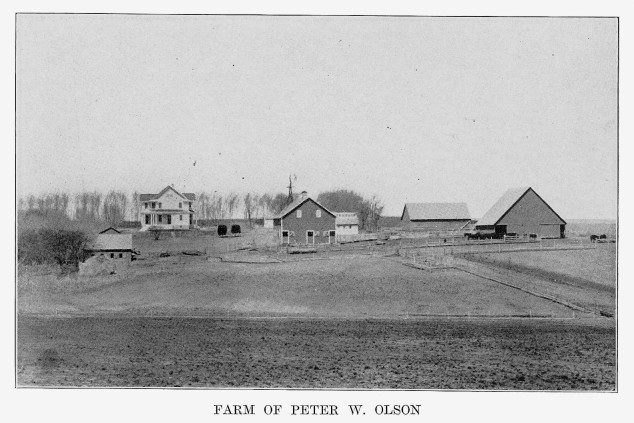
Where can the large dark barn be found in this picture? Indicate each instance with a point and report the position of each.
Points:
(521, 211)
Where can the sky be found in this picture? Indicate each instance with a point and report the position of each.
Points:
(409, 109)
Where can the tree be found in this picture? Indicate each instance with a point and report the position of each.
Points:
(232, 202)
(250, 202)
(114, 207)
(368, 210)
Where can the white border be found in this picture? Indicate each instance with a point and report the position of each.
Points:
(171, 405)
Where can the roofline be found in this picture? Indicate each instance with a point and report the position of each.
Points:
(405, 206)
(548, 205)
(108, 249)
(512, 205)
(156, 196)
(518, 200)
(441, 220)
(299, 204)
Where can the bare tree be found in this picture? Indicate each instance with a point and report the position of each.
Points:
(232, 202)
(114, 206)
(250, 202)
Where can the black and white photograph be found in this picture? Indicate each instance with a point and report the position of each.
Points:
(316, 202)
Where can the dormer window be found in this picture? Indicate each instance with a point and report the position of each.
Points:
(299, 214)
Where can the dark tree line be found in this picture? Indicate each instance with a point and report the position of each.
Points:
(368, 210)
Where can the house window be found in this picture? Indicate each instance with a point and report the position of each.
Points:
(180, 205)
(317, 213)
(153, 205)
(145, 205)
(181, 216)
(160, 205)
(160, 216)
(111, 255)
(120, 255)
(299, 214)
(147, 218)
(332, 233)
(169, 219)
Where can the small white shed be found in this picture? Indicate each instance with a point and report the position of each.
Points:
(346, 223)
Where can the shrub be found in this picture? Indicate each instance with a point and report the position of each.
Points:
(222, 230)
(235, 229)
(42, 246)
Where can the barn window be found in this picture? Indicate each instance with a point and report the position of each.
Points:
(299, 214)
(317, 213)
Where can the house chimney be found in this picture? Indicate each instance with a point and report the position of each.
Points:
(304, 194)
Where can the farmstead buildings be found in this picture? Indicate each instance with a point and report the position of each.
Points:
(521, 211)
(169, 209)
(435, 216)
(305, 221)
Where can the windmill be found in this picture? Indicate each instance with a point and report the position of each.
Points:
(291, 178)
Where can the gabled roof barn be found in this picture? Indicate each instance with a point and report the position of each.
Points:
(436, 211)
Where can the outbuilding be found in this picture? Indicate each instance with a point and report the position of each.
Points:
(305, 221)
(435, 217)
(112, 245)
(346, 223)
(523, 212)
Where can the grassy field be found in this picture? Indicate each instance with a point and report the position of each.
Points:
(351, 287)
(596, 266)
(362, 354)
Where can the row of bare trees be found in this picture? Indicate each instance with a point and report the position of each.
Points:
(85, 206)
(116, 207)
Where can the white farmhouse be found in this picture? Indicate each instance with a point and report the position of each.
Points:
(168, 210)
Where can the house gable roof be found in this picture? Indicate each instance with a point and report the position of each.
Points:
(297, 203)
(436, 211)
(149, 197)
(110, 230)
(505, 203)
(346, 219)
(111, 242)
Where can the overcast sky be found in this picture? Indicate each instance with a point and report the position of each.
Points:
(410, 109)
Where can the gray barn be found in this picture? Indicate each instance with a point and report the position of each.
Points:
(521, 211)
(435, 217)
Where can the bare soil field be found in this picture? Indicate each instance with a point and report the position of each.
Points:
(508, 354)
(348, 287)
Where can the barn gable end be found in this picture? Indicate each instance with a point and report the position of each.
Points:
(522, 211)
